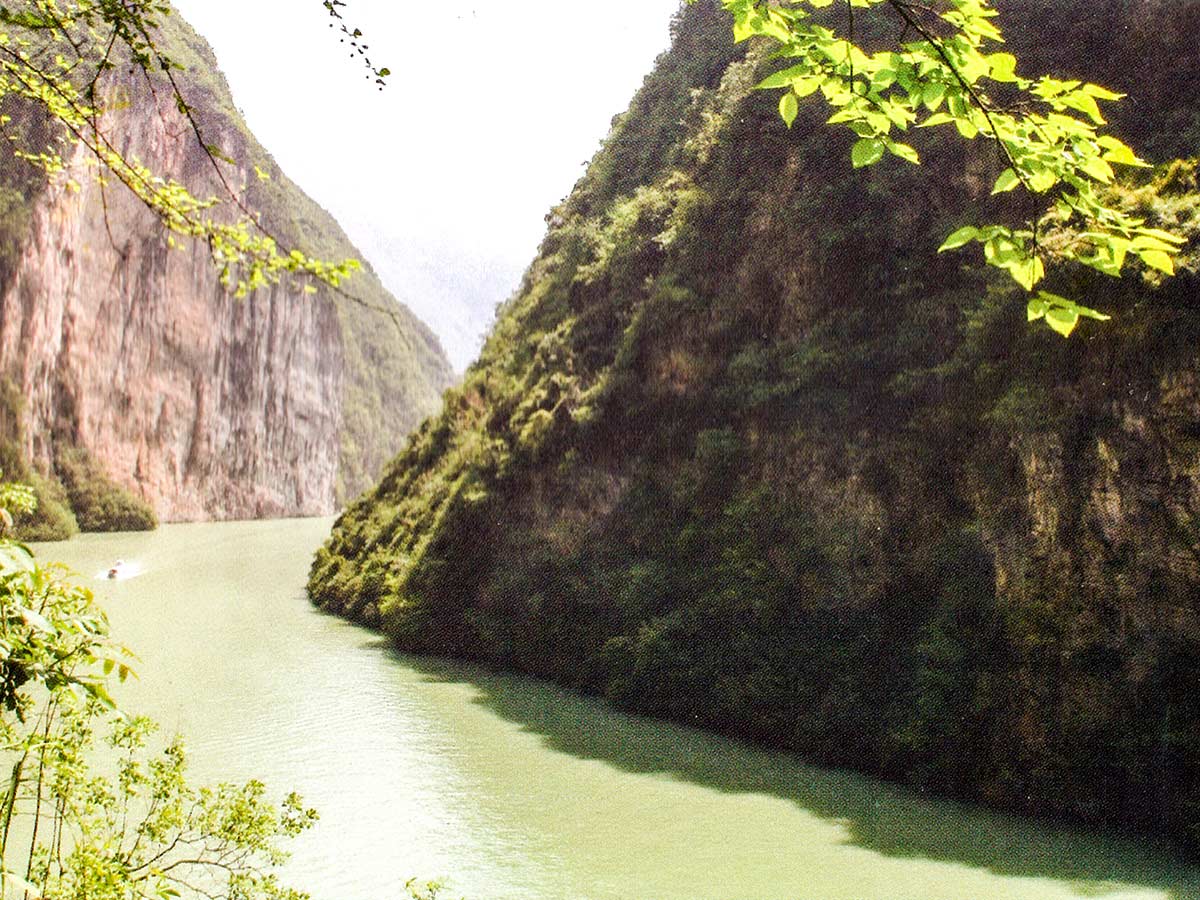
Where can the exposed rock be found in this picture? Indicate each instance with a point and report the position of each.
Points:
(206, 405)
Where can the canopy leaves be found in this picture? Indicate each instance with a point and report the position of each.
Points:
(943, 70)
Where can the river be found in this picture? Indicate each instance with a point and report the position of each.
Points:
(510, 788)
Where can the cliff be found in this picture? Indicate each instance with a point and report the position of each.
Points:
(744, 451)
(131, 352)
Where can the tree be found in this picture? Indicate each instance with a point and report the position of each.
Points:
(940, 71)
(54, 55)
(131, 829)
(355, 37)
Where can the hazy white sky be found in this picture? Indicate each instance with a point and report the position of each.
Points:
(490, 111)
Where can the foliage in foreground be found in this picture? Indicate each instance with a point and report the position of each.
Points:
(1047, 132)
(129, 826)
(54, 56)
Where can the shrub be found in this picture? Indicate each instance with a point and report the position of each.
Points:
(53, 519)
(99, 503)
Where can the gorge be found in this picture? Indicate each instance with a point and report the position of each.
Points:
(765, 551)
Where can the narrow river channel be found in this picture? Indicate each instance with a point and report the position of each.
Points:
(508, 788)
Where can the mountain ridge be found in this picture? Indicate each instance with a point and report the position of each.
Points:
(745, 452)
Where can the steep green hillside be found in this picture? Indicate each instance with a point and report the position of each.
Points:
(743, 451)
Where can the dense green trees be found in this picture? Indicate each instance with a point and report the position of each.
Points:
(746, 452)
(1047, 132)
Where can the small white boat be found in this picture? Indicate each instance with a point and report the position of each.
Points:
(115, 571)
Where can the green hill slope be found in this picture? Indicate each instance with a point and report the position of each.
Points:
(745, 452)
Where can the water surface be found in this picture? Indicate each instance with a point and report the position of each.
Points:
(510, 788)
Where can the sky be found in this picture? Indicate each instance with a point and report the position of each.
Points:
(442, 179)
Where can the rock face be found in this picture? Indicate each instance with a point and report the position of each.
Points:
(206, 405)
(745, 451)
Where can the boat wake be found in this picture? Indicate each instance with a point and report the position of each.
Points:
(120, 571)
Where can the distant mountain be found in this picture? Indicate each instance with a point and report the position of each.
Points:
(453, 288)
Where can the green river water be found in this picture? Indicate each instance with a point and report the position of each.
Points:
(510, 788)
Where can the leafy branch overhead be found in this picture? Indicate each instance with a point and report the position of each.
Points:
(53, 56)
(943, 71)
(355, 37)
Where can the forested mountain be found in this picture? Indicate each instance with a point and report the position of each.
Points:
(745, 452)
(133, 377)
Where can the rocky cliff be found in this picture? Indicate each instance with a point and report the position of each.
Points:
(744, 451)
(206, 405)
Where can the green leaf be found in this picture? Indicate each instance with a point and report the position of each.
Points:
(789, 106)
(803, 87)
(1157, 259)
(1026, 272)
(1098, 169)
(1163, 235)
(1003, 67)
(1101, 93)
(1036, 308)
(1086, 104)
(783, 78)
(1051, 301)
(866, 152)
(1062, 320)
(933, 95)
(1006, 182)
(959, 238)
(1120, 153)
(936, 119)
(1148, 242)
(904, 151)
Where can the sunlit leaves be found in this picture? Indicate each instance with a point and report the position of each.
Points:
(1046, 131)
(789, 106)
(1060, 313)
(1007, 181)
(1158, 259)
(866, 152)
(52, 55)
(959, 238)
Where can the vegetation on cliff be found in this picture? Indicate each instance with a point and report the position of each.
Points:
(1049, 134)
(745, 452)
(98, 503)
(390, 368)
(395, 367)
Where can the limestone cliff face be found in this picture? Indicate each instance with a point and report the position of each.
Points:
(206, 405)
